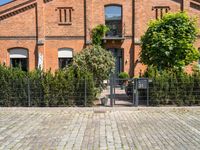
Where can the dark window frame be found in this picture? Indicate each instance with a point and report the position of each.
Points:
(120, 33)
(65, 60)
(69, 59)
(18, 62)
(27, 59)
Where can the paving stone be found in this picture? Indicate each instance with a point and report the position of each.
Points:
(115, 129)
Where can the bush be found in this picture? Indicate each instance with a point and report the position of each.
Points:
(174, 88)
(64, 88)
(123, 75)
(97, 61)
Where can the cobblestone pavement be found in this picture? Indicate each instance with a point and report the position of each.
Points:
(100, 128)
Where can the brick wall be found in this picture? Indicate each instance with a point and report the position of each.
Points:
(25, 22)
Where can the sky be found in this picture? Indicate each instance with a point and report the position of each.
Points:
(4, 1)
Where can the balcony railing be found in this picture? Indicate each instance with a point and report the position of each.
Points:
(117, 30)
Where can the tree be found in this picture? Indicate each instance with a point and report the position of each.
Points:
(168, 42)
(96, 60)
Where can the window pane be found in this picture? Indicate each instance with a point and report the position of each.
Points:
(21, 63)
(64, 62)
(113, 13)
(113, 19)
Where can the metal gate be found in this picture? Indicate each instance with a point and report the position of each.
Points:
(129, 92)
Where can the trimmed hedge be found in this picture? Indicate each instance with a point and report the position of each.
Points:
(64, 88)
(175, 88)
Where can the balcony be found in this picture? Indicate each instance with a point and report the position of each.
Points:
(116, 32)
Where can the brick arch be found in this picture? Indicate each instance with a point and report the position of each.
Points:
(18, 48)
(113, 4)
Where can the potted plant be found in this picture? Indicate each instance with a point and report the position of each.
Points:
(123, 76)
(104, 101)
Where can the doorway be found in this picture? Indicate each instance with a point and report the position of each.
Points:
(118, 55)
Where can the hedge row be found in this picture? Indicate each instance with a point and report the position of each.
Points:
(172, 88)
(68, 87)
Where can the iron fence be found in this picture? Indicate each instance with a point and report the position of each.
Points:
(180, 92)
(33, 93)
(174, 92)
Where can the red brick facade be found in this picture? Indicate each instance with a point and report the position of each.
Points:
(35, 25)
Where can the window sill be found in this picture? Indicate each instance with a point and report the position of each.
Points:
(61, 23)
(113, 38)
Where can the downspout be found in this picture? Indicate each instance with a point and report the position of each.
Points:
(37, 34)
(182, 5)
(85, 23)
(133, 35)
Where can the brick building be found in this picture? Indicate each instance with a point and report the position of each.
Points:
(47, 33)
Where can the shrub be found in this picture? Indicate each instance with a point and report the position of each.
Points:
(123, 75)
(97, 61)
(64, 88)
(175, 88)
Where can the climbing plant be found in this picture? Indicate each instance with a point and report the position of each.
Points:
(98, 33)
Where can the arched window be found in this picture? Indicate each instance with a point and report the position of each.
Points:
(19, 58)
(113, 19)
(65, 56)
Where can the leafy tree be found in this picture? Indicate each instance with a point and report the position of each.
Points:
(168, 42)
(96, 60)
(98, 33)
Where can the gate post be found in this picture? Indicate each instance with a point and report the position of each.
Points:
(133, 92)
(148, 93)
(28, 92)
(136, 93)
(111, 90)
(85, 92)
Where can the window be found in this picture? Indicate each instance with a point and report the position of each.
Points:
(65, 56)
(19, 58)
(65, 15)
(113, 19)
(160, 11)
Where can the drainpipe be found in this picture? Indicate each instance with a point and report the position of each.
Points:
(133, 36)
(40, 34)
(182, 5)
(85, 23)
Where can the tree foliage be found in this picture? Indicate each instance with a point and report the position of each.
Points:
(168, 42)
(96, 60)
(98, 33)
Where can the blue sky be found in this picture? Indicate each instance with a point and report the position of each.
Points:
(4, 1)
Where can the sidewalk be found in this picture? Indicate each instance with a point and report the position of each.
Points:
(100, 128)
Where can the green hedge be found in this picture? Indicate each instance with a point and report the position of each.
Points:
(175, 88)
(64, 88)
